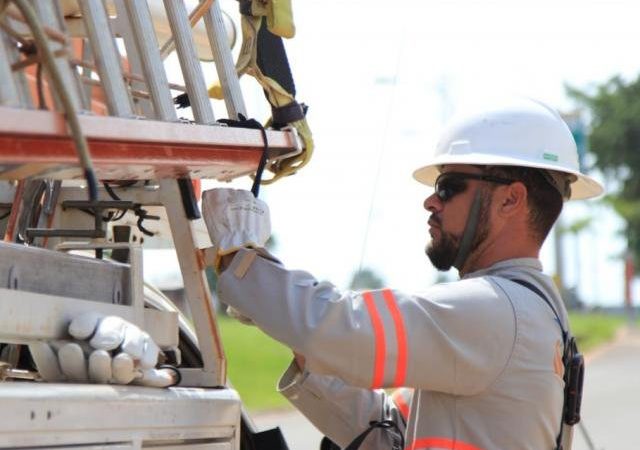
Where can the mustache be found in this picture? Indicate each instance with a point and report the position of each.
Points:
(435, 220)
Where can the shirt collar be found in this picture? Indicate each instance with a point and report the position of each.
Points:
(508, 265)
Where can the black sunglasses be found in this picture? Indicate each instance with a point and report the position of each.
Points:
(450, 184)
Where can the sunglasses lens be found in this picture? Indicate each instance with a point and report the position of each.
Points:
(449, 186)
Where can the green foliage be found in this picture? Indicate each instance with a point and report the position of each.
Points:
(577, 226)
(594, 329)
(366, 279)
(615, 142)
(255, 362)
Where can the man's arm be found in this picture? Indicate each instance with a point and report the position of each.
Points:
(456, 338)
(339, 411)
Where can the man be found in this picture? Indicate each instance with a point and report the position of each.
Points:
(483, 354)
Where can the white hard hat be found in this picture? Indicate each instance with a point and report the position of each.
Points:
(521, 132)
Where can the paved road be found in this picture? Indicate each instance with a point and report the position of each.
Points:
(611, 403)
(610, 412)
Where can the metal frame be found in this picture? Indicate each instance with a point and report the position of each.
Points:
(76, 416)
(136, 278)
(28, 316)
(37, 144)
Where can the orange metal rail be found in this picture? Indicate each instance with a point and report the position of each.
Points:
(36, 144)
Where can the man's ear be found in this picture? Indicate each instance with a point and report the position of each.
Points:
(513, 199)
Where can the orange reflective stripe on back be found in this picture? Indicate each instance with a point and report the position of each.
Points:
(379, 342)
(440, 443)
(401, 403)
(401, 337)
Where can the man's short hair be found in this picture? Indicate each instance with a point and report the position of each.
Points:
(544, 199)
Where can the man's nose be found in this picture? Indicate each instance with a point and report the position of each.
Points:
(433, 203)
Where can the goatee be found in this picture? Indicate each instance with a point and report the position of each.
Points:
(443, 253)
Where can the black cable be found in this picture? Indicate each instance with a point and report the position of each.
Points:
(255, 188)
(243, 122)
(140, 212)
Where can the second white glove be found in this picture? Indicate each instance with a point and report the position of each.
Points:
(108, 350)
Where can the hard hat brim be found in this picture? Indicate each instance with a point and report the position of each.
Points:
(583, 188)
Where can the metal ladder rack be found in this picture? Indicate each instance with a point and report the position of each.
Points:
(141, 137)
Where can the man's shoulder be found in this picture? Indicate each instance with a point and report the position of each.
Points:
(478, 291)
(474, 307)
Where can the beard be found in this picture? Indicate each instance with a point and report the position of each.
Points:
(443, 252)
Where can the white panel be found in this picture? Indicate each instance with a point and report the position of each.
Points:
(57, 414)
(210, 446)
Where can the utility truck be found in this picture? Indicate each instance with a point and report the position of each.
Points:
(97, 164)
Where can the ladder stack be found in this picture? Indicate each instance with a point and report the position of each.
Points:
(140, 136)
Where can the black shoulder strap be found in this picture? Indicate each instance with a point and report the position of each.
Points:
(565, 336)
(533, 288)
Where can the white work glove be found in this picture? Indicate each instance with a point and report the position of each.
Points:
(235, 219)
(107, 349)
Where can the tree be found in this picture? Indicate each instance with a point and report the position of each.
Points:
(366, 279)
(614, 140)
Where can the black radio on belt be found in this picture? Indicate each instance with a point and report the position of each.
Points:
(573, 381)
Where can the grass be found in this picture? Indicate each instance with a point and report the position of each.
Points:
(593, 329)
(255, 363)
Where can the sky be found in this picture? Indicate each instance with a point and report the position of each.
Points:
(382, 79)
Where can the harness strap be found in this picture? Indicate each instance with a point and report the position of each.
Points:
(469, 233)
(565, 335)
(389, 425)
(533, 288)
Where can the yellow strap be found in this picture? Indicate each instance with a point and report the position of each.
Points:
(245, 263)
(276, 94)
(279, 16)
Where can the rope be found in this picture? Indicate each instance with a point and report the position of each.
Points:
(385, 135)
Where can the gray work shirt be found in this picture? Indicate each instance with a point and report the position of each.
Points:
(482, 354)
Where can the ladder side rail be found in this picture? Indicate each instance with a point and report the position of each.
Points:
(144, 54)
(189, 63)
(86, 72)
(107, 57)
(26, 101)
(50, 16)
(223, 59)
(122, 28)
(9, 94)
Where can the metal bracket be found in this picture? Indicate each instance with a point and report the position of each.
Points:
(7, 371)
(96, 208)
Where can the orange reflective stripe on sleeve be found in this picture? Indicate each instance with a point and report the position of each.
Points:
(440, 443)
(401, 337)
(380, 345)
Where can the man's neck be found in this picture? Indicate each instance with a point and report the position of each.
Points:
(493, 252)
